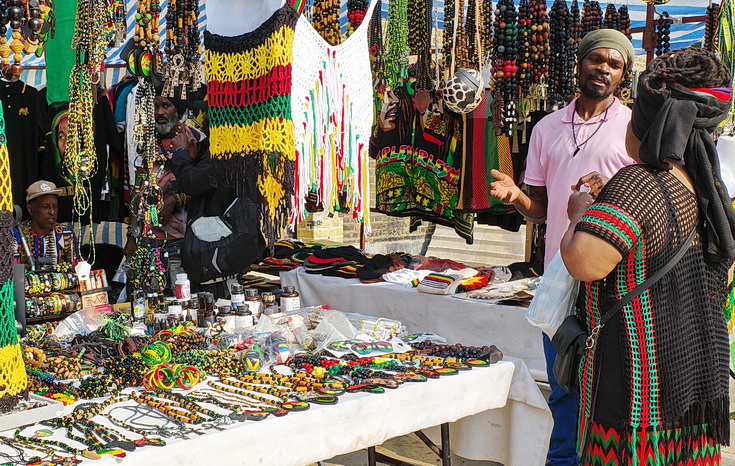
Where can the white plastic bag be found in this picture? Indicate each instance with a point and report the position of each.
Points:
(555, 297)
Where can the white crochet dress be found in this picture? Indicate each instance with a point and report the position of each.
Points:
(332, 112)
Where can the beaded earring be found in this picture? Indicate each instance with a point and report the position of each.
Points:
(663, 31)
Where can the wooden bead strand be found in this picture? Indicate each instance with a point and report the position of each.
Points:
(711, 27)
(591, 16)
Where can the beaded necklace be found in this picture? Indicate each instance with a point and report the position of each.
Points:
(505, 67)
(612, 17)
(711, 26)
(591, 16)
(284, 406)
(187, 417)
(183, 48)
(159, 427)
(396, 44)
(663, 31)
(165, 152)
(356, 11)
(624, 21)
(325, 14)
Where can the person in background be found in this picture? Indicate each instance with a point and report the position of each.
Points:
(582, 143)
(169, 112)
(192, 170)
(655, 381)
(44, 236)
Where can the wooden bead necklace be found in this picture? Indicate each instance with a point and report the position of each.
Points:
(505, 69)
(663, 33)
(624, 21)
(325, 20)
(612, 17)
(559, 45)
(591, 16)
(711, 26)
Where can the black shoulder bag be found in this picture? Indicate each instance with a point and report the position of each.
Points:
(571, 338)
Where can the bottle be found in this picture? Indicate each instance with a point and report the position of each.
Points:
(226, 318)
(182, 286)
(208, 309)
(175, 312)
(290, 299)
(243, 317)
(254, 302)
(138, 305)
(269, 304)
(193, 311)
(237, 296)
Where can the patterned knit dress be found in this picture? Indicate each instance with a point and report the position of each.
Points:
(660, 367)
(249, 97)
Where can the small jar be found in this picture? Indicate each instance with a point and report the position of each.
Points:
(254, 302)
(269, 304)
(243, 317)
(237, 296)
(182, 286)
(290, 299)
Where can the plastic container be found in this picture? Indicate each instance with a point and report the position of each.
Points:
(237, 295)
(290, 299)
(254, 302)
(270, 306)
(243, 317)
(182, 286)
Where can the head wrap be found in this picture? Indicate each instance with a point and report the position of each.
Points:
(607, 39)
(675, 122)
(181, 105)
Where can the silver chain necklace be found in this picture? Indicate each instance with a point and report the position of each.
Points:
(574, 134)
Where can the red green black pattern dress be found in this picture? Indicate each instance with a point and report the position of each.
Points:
(660, 367)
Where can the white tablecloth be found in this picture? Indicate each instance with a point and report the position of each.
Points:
(359, 420)
(458, 320)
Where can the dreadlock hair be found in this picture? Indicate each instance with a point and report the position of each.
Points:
(690, 67)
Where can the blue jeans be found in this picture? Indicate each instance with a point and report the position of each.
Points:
(564, 409)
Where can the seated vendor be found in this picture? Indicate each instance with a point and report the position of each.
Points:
(45, 238)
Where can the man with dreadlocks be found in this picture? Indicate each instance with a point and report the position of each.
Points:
(654, 383)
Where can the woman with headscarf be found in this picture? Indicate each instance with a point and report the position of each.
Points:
(654, 378)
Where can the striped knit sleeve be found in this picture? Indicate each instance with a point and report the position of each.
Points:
(612, 224)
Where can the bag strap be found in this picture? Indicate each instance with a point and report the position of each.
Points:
(651, 280)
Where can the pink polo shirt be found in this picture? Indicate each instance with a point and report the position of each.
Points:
(550, 162)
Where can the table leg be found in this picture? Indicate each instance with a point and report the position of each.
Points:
(371, 456)
(446, 449)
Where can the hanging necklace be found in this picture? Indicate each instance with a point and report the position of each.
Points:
(599, 125)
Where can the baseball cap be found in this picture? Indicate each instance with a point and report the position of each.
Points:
(41, 188)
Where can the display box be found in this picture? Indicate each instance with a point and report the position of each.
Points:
(52, 409)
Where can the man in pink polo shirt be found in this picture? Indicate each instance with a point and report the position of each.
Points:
(581, 143)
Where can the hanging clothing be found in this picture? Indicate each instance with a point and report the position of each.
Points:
(332, 109)
(419, 163)
(59, 245)
(249, 99)
(26, 126)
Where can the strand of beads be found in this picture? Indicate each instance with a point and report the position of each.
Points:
(624, 21)
(505, 67)
(612, 18)
(356, 11)
(396, 44)
(576, 28)
(448, 36)
(375, 42)
(559, 46)
(484, 28)
(524, 46)
(325, 20)
(663, 33)
(591, 16)
(711, 26)
(183, 48)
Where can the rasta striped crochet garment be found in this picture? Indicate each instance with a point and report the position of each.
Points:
(13, 379)
(249, 97)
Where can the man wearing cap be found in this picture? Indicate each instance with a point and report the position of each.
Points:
(581, 143)
(45, 238)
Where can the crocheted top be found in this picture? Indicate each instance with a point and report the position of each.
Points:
(665, 355)
(249, 98)
(332, 108)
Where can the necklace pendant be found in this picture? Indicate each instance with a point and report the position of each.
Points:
(576, 151)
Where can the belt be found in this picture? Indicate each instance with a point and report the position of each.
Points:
(218, 280)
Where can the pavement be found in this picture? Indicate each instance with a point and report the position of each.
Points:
(408, 450)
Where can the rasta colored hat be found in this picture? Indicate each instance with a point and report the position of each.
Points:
(607, 39)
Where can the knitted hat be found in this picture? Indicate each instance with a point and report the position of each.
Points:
(607, 39)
